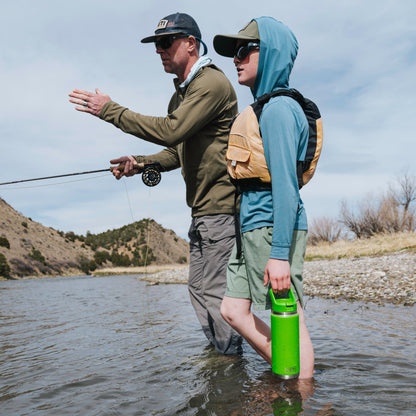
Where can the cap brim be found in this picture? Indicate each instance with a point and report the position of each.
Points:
(225, 45)
(150, 39)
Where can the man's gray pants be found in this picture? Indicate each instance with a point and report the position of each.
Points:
(212, 238)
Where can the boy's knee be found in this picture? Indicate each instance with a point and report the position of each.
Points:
(236, 311)
(223, 310)
(227, 311)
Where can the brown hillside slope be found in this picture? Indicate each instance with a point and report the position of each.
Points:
(36, 250)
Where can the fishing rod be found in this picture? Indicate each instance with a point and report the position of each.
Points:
(55, 176)
(150, 174)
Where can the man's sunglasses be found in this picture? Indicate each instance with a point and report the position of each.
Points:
(243, 51)
(165, 42)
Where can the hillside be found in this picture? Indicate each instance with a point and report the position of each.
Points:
(28, 248)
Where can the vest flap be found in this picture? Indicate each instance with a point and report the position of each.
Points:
(237, 154)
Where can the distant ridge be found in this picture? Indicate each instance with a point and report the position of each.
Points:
(27, 248)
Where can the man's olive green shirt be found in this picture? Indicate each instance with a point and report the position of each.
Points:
(195, 133)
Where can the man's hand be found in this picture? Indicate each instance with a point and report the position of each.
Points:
(278, 273)
(127, 166)
(88, 101)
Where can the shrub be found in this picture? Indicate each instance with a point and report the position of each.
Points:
(375, 217)
(324, 229)
(4, 266)
(92, 265)
(21, 268)
(24, 224)
(37, 255)
(70, 236)
(101, 257)
(147, 255)
(121, 260)
(4, 242)
(390, 213)
(137, 259)
(86, 265)
(182, 260)
(404, 193)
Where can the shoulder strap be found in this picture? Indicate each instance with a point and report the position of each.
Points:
(292, 93)
(262, 100)
(312, 115)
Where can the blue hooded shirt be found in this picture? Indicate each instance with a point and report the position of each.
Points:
(285, 132)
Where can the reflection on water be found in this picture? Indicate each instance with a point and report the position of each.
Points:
(115, 346)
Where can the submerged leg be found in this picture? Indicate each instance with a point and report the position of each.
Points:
(307, 356)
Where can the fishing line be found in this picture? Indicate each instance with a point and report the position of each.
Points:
(128, 198)
(155, 335)
(147, 297)
(146, 304)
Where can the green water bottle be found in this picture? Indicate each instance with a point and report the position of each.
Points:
(285, 336)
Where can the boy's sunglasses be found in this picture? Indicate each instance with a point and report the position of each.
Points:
(165, 42)
(244, 50)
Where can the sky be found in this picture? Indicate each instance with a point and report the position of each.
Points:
(356, 60)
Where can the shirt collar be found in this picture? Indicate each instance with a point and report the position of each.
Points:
(201, 62)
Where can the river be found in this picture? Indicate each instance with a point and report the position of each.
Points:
(118, 346)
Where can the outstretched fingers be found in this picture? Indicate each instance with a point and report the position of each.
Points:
(80, 98)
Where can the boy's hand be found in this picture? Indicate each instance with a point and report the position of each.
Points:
(278, 273)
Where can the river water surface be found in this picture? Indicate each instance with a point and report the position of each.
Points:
(117, 346)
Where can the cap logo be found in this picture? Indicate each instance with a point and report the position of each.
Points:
(162, 24)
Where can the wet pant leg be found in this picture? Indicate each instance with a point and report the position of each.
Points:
(212, 238)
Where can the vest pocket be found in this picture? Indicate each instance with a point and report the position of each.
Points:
(238, 152)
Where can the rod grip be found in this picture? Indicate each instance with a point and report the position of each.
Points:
(138, 168)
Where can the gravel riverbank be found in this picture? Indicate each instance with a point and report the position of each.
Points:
(390, 278)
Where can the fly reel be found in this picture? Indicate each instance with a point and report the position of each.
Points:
(151, 175)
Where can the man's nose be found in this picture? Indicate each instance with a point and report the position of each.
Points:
(159, 50)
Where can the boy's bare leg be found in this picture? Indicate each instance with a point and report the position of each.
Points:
(307, 356)
(237, 312)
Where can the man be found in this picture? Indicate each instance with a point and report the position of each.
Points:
(195, 133)
(272, 215)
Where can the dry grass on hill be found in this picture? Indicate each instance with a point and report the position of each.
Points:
(375, 246)
(150, 269)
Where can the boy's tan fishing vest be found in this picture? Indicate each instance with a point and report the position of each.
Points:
(245, 158)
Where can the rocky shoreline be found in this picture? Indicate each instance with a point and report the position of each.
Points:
(390, 278)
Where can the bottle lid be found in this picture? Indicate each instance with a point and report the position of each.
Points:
(285, 303)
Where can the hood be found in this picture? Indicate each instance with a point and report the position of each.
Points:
(278, 50)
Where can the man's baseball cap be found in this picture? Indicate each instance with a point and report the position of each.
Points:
(175, 24)
(225, 45)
